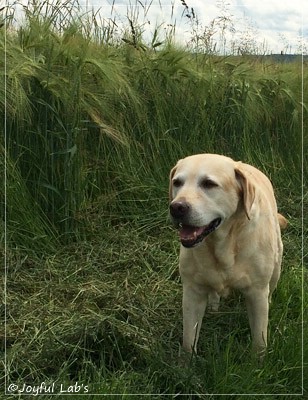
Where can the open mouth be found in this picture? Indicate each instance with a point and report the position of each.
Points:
(192, 235)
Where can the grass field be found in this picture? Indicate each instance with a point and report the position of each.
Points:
(92, 127)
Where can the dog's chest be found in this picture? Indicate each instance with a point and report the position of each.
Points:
(219, 272)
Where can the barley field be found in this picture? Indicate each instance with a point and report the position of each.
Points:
(91, 127)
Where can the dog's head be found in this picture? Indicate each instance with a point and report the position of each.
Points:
(205, 191)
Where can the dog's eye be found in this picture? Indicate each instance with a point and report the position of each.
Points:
(208, 184)
(177, 182)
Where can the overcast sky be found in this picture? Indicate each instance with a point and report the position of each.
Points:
(269, 25)
(263, 26)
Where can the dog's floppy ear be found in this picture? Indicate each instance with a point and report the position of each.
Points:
(247, 188)
(172, 172)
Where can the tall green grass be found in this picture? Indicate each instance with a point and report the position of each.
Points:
(92, 126)
(88, 121)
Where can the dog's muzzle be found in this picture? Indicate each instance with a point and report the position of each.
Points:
(190, 235)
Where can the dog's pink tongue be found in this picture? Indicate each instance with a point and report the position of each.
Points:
(190, 232)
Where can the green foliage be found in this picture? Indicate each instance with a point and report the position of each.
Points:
(92, 128)
(87, 122)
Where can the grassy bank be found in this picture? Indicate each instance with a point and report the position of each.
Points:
(92, 128)
(106, 313)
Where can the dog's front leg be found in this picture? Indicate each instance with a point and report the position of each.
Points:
(194, 304)
(257, 309)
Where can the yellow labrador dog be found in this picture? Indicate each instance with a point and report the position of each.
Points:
(229, 229)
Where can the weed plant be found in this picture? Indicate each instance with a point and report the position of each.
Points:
(92, 126)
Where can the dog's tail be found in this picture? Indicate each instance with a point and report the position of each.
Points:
(283, 222)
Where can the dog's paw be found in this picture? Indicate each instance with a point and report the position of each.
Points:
(186, 358)
(213, 302)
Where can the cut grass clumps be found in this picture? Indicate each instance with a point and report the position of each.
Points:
(107, 313)
(86, 305)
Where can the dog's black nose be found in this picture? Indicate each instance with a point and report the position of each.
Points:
(179, 209)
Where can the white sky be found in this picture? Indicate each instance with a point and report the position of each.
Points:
(269, 26)
(272, 25)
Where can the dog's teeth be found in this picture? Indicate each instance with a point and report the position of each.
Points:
(195, 235)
